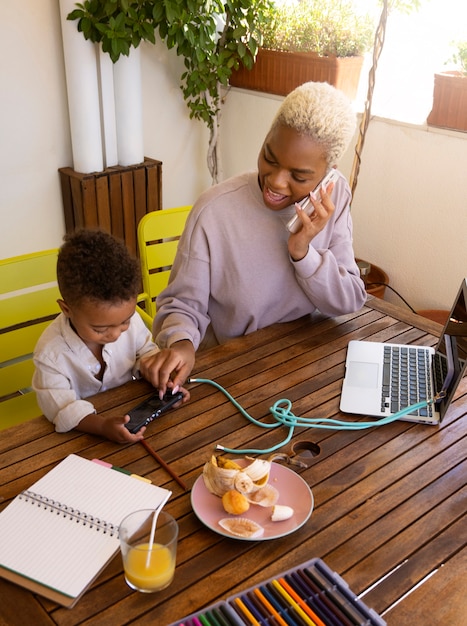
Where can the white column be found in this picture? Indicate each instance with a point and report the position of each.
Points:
(83, 94)
(129, 108)
(109, 126)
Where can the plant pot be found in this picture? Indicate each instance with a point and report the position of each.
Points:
(449, 101)
(279, 72)
(436, 315)
(373, 280)
(114, 199)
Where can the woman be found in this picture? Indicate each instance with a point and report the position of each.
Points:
(238, 268)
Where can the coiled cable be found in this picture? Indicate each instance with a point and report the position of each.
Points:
(283, 416)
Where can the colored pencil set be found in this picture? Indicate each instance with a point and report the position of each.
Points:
(308, 595)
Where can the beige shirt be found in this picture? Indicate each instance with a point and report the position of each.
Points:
(66, 369)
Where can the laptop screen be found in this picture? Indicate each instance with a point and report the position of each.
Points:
(451, 352)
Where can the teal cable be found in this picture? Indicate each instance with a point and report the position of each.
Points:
(281, 411)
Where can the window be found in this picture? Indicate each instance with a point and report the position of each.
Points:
(416, 46)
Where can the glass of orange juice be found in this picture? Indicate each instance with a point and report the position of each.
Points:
(147, 567)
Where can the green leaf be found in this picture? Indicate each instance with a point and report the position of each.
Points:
(75, 15)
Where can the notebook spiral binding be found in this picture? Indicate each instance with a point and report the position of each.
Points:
(70, 512)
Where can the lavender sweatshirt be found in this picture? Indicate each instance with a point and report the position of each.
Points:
(233, 274)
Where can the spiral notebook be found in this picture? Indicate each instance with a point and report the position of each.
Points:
(58, 535)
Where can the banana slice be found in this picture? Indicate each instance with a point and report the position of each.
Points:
(281, 512)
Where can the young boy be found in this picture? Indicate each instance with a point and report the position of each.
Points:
(98, 341)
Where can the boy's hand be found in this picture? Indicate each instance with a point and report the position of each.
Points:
(170, 367)
(111, 427)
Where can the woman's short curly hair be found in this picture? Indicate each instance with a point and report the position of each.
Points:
(94, 265)
(323, 113)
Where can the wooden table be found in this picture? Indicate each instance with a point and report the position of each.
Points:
(390, 502)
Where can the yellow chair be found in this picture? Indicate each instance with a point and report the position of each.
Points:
(158, 235)
(28, 303)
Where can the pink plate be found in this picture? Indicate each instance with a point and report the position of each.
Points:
(293, 490)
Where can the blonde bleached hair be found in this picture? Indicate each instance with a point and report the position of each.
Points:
(321, 112)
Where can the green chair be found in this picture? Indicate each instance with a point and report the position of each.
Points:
(158, 235)
(28, 303)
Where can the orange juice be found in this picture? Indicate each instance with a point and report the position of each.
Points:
(149, 575)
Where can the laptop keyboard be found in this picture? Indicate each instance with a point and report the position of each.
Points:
(406, 379)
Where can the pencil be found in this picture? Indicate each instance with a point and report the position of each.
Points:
(280, 603)
(326, 610)
(246, 613)
(315, 618)
(269, 607)
(204, 620)
(300, 612)
(163, 464)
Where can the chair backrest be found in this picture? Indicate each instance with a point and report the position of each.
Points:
(158, 235)
(28, 303)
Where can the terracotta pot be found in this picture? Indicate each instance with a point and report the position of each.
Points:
(436, 315)
(449, 101)
(279, 72)
(373, 280)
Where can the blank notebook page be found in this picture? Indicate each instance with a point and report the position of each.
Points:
(64, 537)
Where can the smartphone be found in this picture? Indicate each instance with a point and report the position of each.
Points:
(294, 224)
(143, 413)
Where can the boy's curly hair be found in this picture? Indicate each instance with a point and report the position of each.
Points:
(321, 112)
(93, 265)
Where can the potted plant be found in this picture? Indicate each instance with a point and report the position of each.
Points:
(212, 37)
(449, 108)
(320, 40)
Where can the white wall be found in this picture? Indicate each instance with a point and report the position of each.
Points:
(34, 130)
(35, 135)
(410, 206)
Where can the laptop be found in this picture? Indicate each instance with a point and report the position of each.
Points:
(382, 379)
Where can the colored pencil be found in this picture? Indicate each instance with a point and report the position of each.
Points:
(337, 596)
(246, 612)
(325, 610)
(262, 614)
(301, 603)
(286, 610)
(269, 607)
(324, 598)
(253, 608)
(226, 614)
(220, 617)
(280, 588)
(212, 618)
(163, 464)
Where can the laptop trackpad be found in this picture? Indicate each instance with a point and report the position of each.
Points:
(361, 374)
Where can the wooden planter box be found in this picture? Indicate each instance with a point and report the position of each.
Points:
(449, 101)
(114, 199)
(280, 72)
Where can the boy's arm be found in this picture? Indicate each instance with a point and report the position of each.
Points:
(67, 412)
(57, 400)
(110, 427)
